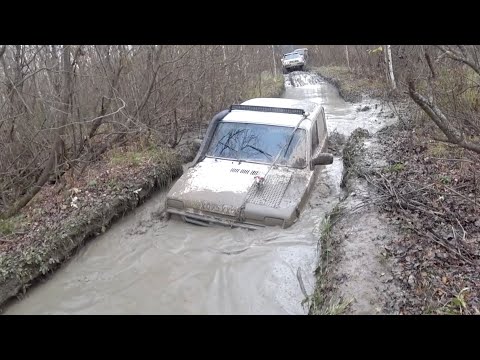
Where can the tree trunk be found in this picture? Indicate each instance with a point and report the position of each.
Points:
(274, 62)
(346, 54)
(388, 57)
(453, 135)
(50, 166)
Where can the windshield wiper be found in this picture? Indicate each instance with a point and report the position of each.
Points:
(227, 146)
(231, 148)
(260, 151)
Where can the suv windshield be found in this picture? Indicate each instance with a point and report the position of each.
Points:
(292, 56)
(259, 143)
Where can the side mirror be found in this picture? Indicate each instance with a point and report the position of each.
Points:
(197, 142)
(322, 159)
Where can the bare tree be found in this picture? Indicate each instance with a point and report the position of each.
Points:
(63, 106)
(388, 60)
(58, 147)
(346, 55)
(464, 56)
(458, 121)
(274, 61)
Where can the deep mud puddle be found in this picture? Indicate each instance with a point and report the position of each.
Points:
(145, 265)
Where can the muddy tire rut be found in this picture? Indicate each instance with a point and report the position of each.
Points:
(355, 276)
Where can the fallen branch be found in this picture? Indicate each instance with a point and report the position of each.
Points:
(461, 195)
(433, 237)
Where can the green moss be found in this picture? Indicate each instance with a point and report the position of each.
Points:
(9, 226)
(321, 302)
(438, 149)
(456, 306)
(398, 167)
(445, 179)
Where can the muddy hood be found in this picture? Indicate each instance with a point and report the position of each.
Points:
(223, 187)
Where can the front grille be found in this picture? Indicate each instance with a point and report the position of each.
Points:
(244, 171)
(270, 193)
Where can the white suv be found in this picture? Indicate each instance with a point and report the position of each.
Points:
(256, 166)
(303, 52)
(293, 61)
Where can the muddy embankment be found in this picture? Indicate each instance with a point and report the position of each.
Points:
(56, 224)
(350, 87)
(355, 273)
(65, 215)
(406, 239)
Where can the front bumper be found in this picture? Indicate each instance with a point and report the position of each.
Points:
(208, 220)
(295, 65)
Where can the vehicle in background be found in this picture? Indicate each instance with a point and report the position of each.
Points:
(293, 61)
(303, 52)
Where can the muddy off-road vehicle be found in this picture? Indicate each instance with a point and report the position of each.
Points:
(293, 61)
(303, 52)
(255, 167)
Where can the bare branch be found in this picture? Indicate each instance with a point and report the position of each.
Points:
(453, 135)
(430, 65)
(449, 52)
(91, 120)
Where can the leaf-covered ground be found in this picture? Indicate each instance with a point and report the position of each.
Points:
(431, 191)
(65, 214)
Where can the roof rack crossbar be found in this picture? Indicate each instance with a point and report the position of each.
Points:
(268, 109)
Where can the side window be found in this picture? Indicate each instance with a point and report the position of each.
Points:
(321, 125)
(314, 136)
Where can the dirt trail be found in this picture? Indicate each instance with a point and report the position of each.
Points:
(361, 267)
(145, 265)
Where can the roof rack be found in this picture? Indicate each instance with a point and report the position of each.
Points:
(268, 109)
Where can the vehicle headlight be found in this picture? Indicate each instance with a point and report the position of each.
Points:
(177, 204)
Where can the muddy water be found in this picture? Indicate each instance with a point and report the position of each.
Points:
(144, 265)
(341, 116)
